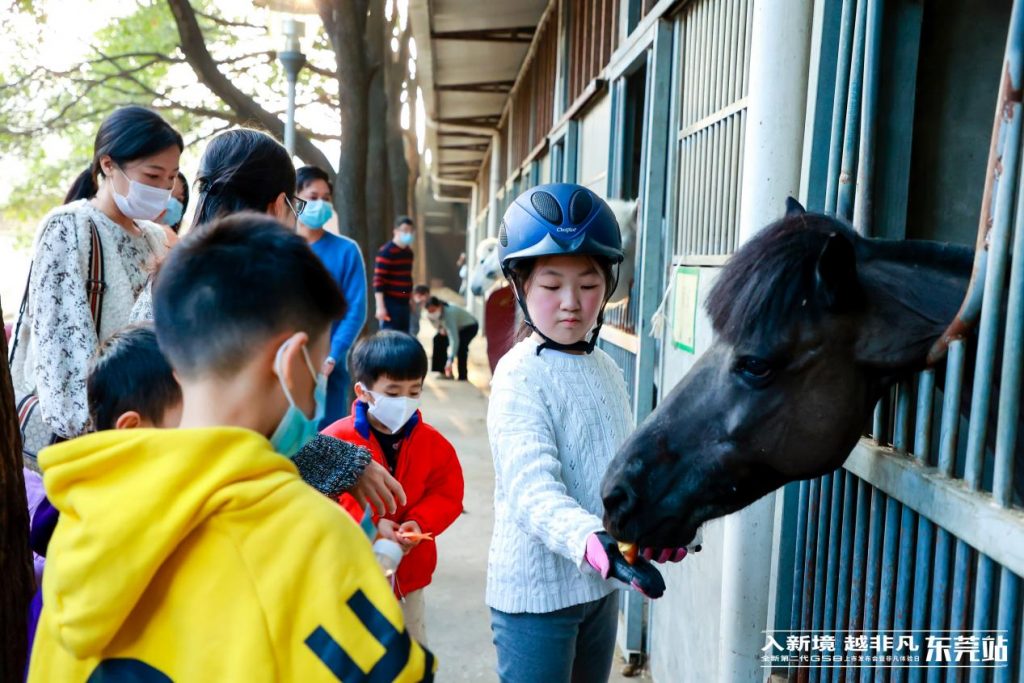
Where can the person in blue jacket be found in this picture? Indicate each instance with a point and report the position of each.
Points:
(344, 261)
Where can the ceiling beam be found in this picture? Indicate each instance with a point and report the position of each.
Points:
(474, 147)
(499, 87)
(460, 134)
(481, 120)
(514, 34)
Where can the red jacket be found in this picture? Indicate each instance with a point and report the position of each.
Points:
(429, 471)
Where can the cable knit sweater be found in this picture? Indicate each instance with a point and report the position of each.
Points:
(554, 421)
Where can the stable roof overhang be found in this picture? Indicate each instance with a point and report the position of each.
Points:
(469, 54)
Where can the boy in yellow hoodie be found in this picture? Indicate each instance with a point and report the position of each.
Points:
(199, 554)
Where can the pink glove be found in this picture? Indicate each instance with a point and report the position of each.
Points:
(603, 555)
(663, 554)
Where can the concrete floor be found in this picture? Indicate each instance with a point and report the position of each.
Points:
(458, 622)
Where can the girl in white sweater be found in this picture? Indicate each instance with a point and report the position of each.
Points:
(558, 413)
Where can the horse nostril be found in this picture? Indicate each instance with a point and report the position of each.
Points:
(620, 501)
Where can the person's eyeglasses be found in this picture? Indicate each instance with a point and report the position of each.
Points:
(296, 205)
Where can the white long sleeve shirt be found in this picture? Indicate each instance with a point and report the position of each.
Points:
(555, 422)
(57, 336)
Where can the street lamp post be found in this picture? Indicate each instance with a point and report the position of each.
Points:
(292, 60)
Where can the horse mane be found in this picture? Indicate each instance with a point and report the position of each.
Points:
(770, 282)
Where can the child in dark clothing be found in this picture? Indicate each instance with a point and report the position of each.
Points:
(130, 386)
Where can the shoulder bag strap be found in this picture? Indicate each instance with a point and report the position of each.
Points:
(95, 285)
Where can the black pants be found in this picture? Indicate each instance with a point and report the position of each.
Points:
(439, 354)
(398, 310)
(466, 335)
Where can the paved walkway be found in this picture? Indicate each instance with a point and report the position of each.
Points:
(458, 621)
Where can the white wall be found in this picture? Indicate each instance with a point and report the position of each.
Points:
(594, 145)
(684, 633)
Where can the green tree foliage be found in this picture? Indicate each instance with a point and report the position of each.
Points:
(203, 69)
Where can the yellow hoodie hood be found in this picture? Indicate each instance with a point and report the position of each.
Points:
(201, 555)
(127, 500)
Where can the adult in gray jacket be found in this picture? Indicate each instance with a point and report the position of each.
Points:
(460, 326)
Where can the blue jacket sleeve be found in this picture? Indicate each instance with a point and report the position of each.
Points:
(353, 286)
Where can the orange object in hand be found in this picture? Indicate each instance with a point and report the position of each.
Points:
(628, 551)
(415, 537)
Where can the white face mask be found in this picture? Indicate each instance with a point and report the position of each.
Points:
(143, 202)
(434, 316)
(391, 411)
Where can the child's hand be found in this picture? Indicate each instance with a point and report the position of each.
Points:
(448, 369)
(409, 527)
(388, 529)
(377, 487)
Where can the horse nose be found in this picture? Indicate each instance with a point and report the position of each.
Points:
(619, 505)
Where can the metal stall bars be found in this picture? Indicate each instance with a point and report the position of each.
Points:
(715, 51)
(909, 536)
(713, 78)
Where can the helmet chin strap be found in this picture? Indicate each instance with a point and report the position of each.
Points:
(586, 347)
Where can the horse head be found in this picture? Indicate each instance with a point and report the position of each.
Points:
(626, 215)
(812, 323)
(488, 268)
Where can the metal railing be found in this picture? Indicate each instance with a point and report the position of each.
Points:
(919, 532)
(714, 85)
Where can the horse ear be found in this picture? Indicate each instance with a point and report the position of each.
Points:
(793, 207)
(836, 272)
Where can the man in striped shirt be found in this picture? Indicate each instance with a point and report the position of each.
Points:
(392, 277)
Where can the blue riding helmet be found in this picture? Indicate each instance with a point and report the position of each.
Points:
(559, 219)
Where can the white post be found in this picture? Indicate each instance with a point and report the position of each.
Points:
(492, 215)
(292, 60)
(779, 55)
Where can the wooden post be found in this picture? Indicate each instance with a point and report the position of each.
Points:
(15, 557)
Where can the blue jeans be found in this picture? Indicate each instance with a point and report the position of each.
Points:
(338, 387)
(571, 645)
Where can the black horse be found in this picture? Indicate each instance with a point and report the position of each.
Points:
(812, 324)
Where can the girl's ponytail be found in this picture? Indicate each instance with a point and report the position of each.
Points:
(84, 187)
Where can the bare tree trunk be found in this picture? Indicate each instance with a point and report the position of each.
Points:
(378, 180)
(345, 24)
(395, 73)
(15, 557)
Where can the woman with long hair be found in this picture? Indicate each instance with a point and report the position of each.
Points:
(91, 261)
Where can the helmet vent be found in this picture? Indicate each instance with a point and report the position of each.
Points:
(547, 206)
(580, 207)
(503, 235)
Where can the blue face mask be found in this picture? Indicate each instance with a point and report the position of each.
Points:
(315, 214)
(295, 429)
(405, 238)
(174, 212)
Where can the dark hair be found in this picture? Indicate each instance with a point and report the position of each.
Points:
(403, 220)
(184, 200)
(307, 174)
(230, 285)
(129, 372)
(434, 301)
(129, 133)
(421, 289)
(242, 170)
(388, 352)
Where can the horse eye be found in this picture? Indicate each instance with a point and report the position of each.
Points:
(753, 369)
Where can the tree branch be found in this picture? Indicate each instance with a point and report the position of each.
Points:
(193, 45)
(221, 21)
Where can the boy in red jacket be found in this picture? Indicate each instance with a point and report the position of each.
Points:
(389, 368)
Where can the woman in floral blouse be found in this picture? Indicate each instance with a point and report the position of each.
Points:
(125, 189)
